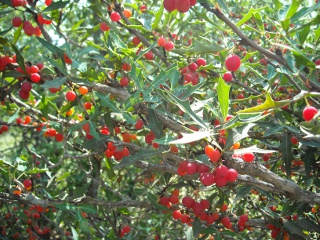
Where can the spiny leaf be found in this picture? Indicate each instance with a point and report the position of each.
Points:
(267, 105)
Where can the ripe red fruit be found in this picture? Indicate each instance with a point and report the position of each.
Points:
(26, 86)
(213, 154)
(125, 152)
(161, 42)
(294, 140)
(188, 201)
(182, 5)
(232, 175)
(309, 112)
(193, 67)
(23, 94)
(126, 67)
(201, 61)
(192, 2)
(169, 46)
(149, 55)
(71, 96)
(221, 171)
(225, 221)
(136, 41)
(16, 22)
(205, 203)
(244, 218)
(185, 218)
(233, 63)
(35, 77)
(191, 168)
(248, 157)
(27, 183)
(227, 76)
(47, 2)
(206, 178)
(143, 8)
(115, 17)
(124, 81)
(176, 214)
(169, 5)
(202, 168)
(66, 59)
(104, 27)
(164, 201)
(126, 229)
(139, 124)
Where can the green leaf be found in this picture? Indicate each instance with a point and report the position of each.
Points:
(198, 48)
(63, 176)
(286, 152)
(57, 63)
(107, 102)
(191, 137)
(185, 107)
(223, 97)
(223, 5)
(154, 124)
(55, 83)
(14, 116)
(83, 222)
(157, 18)
(242, 192)
(56, 5)
(308, 225)
(140, 155)
(293, 228)
(17, 34)
(245, 18)
(238, 133)
(52, 48)
(304, 11)
(36, 170)
(20, 59)
(295, 4)
(197, 227)
(267, 105)
(93, 130)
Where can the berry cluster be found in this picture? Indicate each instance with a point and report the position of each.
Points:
(190, 74)
(117, 154)
(182, 6)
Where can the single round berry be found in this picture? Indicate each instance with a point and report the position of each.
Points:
(71, 96)
(26, 86)
(169, 46)
(169, 5)
(139, 124)
(35, 77)
(124, 81)
(309, 112)
(104, 27)
(193, 67)
(143, 8)
(176, 214)
(248, 157)
(161, 42)
(115, 17)
(188, 201)
(191, 168)
(27, 183)
(136, 41)
(227, 76)
(16, 22)
(126, 229)
(201, 62)
(182, 5)
(232, 175)
(149, 55)
(206, 178)
(233, 63)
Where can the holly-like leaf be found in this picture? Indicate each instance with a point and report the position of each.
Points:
(269, 104)
(198, 48)
(191, 137)
(223, 97)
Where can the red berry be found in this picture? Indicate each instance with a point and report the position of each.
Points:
(220, 181)
(115, 17)
(191, 168)
(201, 61)
(124, 81)
(182, 5)
(169, 46)
(205, 203)
(207, 179)
(161, 42)
(188, 201)
(169, 5)
(233, 63)
(164, 201)
(192, 2)
(136, 41)
(294, 140)
(193, 67)
(35, 77)
(71, 96)
(232, 175)
(227, 76)
(26, 86)
(139, 124)
(104, 27)
(244, 218)
(248, 157)
(27, 183)
(202, 168)
(143, 8)
(176, 214)
(126, 229)
(225, 221)
(16, 22)
(23, 94)
(309, 112)
(149, 55)
(126, 67)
